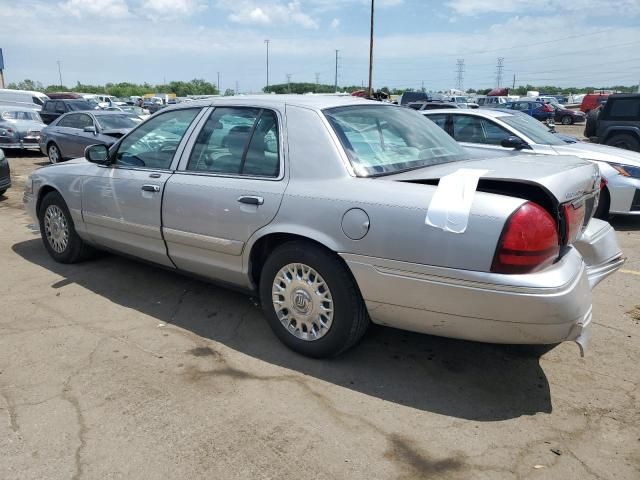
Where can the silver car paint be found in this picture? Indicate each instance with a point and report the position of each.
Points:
(621, 189)
(411, 275)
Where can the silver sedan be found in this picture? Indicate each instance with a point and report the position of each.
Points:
(499, 132)
(337, 212)
(20, 128)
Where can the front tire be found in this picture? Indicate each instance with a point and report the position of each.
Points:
(2, 192)
(53, 152)
(311, 300)
(58, 231)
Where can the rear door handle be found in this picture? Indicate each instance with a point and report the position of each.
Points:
(251, 200)
(150, 188)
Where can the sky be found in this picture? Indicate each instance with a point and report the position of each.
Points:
(417, 42)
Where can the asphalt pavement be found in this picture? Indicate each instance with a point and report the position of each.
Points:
(113, 369)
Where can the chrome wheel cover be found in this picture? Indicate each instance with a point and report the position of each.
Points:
(54, 154)
(56, 228)
(302, 301)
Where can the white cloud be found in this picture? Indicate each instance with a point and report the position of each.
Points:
(268, 13)
(97, 8)
(477, 7)
(335, 23)
(169, 9)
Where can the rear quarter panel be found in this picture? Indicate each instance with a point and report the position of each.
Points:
(321, 192)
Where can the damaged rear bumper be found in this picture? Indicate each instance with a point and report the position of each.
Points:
(544, 307)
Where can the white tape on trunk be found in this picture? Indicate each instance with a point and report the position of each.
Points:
(451, 204)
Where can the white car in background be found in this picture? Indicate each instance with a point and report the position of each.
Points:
(494, 131)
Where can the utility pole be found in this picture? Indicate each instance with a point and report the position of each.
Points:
(218, 83)
(422, 87)
(336, 80)
(514, 81)
(335, 89)
(60, 72)
(370, 90)
(236, 90)
(460, 74)
(267, 44)
(289, 82)
(499, 71)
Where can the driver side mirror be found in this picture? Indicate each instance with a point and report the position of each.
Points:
(90, 129)
(513, 142)
(97, 154)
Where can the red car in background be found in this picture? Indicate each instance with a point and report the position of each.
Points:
(592, 100)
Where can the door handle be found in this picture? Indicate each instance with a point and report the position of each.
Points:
(251, 200)
(150, 188)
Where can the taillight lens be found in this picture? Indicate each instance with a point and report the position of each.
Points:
(547, 108)
(529, 242)
(574, 219)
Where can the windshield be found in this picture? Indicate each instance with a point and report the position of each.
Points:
(385, 139)
(80, 105)
(21, 115)
(532, 128)
(117, 121)
(461, 99)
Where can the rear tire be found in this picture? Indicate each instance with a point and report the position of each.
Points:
(623, 140)
(602, 212)
(311, 300)
(566, 120)
(58, 231)
(53, 152)
(2, 192)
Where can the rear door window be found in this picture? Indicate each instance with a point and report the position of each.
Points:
(467, 128)
(237, 141)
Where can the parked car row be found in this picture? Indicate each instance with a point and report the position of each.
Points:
(497, 132)
(409, 229)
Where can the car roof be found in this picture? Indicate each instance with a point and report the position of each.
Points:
(478, 112)
(315, 102)
(11, 108)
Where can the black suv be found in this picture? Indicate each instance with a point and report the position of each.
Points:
(52, 109)
(617, 123)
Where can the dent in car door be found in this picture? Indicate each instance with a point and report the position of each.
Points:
(229, 185)
(121, 204)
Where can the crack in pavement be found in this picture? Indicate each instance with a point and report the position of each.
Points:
(11, 410)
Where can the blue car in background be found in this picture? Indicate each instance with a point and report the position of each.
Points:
(538, 110)
(541, 110)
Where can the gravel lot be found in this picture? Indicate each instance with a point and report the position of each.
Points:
(113, 369)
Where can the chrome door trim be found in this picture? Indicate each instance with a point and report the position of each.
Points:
(122, 225)
(205, 242)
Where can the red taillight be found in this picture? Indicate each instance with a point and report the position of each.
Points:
(603, 182)
(529, 241)
(574, 219)
(547, 108)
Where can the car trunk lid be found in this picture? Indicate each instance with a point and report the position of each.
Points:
(552, 182)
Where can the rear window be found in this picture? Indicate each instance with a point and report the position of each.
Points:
(21, 115)
(81, 105)
(383, 139)
(624, 108)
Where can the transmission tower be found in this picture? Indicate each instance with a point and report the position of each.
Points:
(499, 72)
(317, 81)
(460, 74)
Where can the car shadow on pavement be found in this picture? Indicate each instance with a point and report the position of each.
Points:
(450, 377)
(625, 223)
